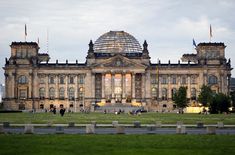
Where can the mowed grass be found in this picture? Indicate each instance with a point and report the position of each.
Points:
(145, 118)
(116, 144)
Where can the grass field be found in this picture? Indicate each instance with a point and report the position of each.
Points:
(116, 144)
(145, 118)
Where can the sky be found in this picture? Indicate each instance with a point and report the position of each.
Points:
(169, 26)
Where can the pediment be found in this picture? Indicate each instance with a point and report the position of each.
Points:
(120, 61)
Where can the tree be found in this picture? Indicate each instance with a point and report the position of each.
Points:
(220, 103)
(205, 95)
(180, 98)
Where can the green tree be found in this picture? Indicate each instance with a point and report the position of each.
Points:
(205, 95)
(219, 103)
(180, 98)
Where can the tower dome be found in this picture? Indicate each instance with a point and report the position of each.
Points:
(117, 42)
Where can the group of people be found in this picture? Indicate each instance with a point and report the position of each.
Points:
(62, 110)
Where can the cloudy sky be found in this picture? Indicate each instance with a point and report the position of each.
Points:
(168, 25)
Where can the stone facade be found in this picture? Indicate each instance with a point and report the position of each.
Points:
(110, 76)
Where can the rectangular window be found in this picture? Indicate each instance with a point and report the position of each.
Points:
(22, 93)
(164, 80)
(81, 79)
(173, 80)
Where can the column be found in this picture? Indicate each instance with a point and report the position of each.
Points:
(189, 86)
(93, 85)
(112, 84)
(133, 85)
(103, 85)
(143, 86)
(123, 85)
(47, 86)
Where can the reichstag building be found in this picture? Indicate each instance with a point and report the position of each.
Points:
(117, 72)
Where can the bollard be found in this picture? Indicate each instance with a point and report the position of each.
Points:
(28, 129)
(115, 123)
(151, 127)
(211, 130)
(49, 124)
(180, 129)
(59, 129)
(120, 129)
(200, 124)
(137, 124)
(6, 124)
(71, 124)
(90, 129)
(220, 124)
(158, 124)
(94, 123)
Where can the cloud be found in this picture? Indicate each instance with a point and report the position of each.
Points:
(167, 25)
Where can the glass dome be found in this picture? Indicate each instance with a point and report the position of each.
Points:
(117, 42)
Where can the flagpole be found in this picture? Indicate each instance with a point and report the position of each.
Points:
(210, 32)
(25, 32)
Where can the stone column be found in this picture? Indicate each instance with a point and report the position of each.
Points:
(103, 85)
(189, 87)
(112, 83)
(143, 85)
(57, 86)
(47, 86)
(123, 85)
(123, 88)
(133, 85)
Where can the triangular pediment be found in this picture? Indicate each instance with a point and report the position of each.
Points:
(120, 61)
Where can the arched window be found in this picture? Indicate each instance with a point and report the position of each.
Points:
(193, 94)
(173, 91)
(212, 79)
(41, 106)
(80, 92)
(42, 92)
(61, 93)
(154, 93)
(71, 93)
(52, 93)
(23, 79)
(164, 94)
(61, 79)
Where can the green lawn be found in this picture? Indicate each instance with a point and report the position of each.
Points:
(166, 118)
(117, 144)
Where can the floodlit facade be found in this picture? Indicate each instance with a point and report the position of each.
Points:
(117, 72)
